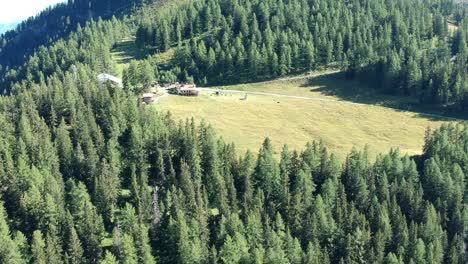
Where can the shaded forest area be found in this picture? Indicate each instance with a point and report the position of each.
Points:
(53, 24)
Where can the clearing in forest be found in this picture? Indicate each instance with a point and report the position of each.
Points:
(124, 52)
(340, 113)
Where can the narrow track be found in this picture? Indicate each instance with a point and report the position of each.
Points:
(321, 100)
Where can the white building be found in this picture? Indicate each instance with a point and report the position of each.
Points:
(104, 78)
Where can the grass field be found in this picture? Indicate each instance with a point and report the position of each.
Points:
(452, 28)
(337, 120)
(124, 52)
(344, 115)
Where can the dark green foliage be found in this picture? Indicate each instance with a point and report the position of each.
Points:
(211, 203)
(9, 249)
(89, 175)
(53, 24)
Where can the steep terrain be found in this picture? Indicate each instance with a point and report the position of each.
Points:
(53, 24)
(88, 174)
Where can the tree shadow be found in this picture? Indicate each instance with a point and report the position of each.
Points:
(355, 91)
(126, 51)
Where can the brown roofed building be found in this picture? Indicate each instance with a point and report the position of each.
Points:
(188, 90)
(148, 98)
(183, 89)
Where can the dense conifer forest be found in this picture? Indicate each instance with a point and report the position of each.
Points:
(90, 175)
(400, 47)
(53, 24)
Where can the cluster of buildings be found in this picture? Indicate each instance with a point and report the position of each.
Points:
(171, 88)
(152, 95)
(184, 89)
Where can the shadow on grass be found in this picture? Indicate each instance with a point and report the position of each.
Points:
(337, 85)
(126, 51)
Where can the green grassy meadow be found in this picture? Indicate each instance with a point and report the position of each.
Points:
(339, 123)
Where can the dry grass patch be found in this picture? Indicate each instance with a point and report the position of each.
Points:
(297, 121)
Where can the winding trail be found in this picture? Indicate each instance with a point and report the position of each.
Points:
(275, 94)
(321, 99)
(312, 75)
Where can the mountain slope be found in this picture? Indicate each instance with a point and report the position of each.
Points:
(90, 175)
(55, 23)
(224, 42)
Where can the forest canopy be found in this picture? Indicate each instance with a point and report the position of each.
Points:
(90, 175)
(400, 47)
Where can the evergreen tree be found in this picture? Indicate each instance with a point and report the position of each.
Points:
(38, 245)
(75, 251)
(9, 251)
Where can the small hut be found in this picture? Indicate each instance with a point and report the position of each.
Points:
(148, 98)
(188, 90)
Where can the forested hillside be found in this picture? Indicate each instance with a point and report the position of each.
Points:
(90, 175)
(53, 24)
(401, 47)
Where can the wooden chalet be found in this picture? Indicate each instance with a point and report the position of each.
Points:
(183, 89)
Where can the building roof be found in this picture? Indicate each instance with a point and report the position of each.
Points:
(104, 77)
(188, 87)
